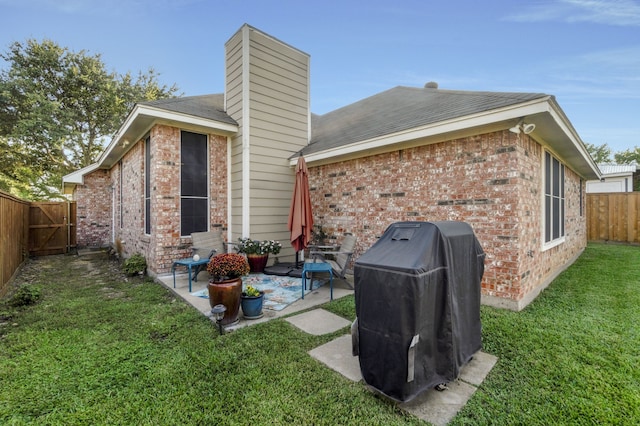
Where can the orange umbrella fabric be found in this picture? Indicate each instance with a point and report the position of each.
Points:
(300, 216)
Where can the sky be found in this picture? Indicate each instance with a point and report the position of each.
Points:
(584, 52)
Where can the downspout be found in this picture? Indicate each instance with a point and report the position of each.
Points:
(229, 198)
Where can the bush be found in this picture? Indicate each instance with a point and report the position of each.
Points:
(25, 295)
(136, 264)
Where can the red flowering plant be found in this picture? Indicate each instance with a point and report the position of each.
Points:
(227, 266)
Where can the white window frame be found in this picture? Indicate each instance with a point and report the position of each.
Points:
(558, 212)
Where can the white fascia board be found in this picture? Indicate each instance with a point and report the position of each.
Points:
(563, 122)
(77, 177)
(164, 115)
(159, 114)
(119, 135)
(70, 181)
(454, 125)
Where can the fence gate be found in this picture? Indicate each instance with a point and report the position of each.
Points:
(52, 228)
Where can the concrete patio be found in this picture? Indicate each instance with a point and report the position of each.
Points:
(435, 407)
(315, 298)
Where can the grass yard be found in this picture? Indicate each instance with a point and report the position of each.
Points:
(101, 349)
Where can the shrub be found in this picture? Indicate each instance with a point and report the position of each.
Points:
(25, 295)
(135, 264)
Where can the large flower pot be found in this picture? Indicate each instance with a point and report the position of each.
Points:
(252, 306)
(228, 294)
(257, 262)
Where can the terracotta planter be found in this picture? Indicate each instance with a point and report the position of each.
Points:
(228, 294)
(257, 262)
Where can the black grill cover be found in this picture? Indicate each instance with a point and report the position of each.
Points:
(417, 292)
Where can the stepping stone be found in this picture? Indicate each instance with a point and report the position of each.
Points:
(435, 407)
(318, 322)
(336, 355)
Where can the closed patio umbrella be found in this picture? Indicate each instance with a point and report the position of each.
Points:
(300, 216)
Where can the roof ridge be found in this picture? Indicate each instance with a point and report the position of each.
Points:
(473, 92)
(177, 99)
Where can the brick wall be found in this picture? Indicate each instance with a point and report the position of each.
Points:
(94, 210)
(165, 237)
(129, 201)
(491, 181)
(126, 181)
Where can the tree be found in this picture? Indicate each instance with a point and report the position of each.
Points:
(600, 154)
(628, 156)
(57, 110)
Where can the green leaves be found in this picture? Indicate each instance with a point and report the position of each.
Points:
(59, 108)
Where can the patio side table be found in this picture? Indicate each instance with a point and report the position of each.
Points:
(190, 264)
(312, 267)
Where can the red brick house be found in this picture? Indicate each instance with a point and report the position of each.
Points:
(510, 164)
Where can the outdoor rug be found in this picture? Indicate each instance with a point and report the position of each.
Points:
(279, 292)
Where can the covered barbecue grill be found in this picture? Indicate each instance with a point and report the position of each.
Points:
(417, 293)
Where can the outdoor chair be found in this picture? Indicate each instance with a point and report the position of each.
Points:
(338, 257)
(206, 245)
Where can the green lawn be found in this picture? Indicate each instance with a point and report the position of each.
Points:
(99, 349)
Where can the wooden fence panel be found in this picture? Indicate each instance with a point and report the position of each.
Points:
(614, 217)
(14, 234)
(50, 229)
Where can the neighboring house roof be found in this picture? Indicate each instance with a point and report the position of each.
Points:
(610, 170)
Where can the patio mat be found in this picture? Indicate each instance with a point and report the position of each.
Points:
(279, 292)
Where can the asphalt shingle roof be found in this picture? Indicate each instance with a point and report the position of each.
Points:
(399, 109)
(205, 106)
(394, 110)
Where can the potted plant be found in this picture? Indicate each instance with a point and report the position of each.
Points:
(251, 302)
(225, 285)
(257, 252)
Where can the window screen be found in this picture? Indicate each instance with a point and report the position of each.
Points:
(194, 187)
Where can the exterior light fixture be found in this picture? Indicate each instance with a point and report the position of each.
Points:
(517, 128)
(528, 128)
(522, 127)
(217, 312)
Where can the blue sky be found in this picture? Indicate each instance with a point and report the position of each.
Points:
(585, 52)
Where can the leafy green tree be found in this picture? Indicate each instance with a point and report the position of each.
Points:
(57, 110)
(628, 156)
(600, 154)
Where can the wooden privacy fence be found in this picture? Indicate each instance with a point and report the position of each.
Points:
(14, 237)
(614, 217)
(35, 229)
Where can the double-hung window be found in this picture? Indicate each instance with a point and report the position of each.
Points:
(194, 183)
(554, 202)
